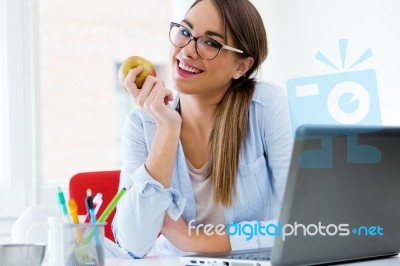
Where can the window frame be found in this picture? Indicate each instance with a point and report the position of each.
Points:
(19, 81)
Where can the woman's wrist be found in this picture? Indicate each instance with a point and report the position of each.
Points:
(172, 124)
(169, 129)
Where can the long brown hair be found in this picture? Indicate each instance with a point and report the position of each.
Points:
(241, 19)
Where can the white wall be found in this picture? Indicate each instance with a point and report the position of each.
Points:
(179, 8)
(297, 30)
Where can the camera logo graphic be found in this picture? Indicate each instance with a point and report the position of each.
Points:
(349, 97)
(343, 98)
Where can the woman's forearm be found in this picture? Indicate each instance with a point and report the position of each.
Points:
(192, 240)
(160, 161)
(206, 243)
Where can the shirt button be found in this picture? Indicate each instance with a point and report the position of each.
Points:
(178, 203)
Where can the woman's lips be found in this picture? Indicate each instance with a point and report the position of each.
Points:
(185, 70)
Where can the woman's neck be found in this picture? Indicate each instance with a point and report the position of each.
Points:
(197, 113)
(197, 122)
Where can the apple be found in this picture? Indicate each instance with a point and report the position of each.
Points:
(133, 62)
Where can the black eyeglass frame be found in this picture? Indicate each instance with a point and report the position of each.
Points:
(192, 38)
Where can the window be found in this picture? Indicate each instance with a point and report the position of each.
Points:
(82, 105)
(17, 111)
(61, 108)
(3, 129)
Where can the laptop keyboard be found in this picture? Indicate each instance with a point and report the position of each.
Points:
(266, 255)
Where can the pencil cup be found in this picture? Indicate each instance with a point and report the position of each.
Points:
(83, 244)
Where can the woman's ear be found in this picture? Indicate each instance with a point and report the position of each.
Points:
(243, 65)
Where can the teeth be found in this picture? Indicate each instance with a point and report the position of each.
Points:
(188, 68)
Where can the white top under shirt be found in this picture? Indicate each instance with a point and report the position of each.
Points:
(206, 211)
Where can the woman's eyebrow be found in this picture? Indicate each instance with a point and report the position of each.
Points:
(207, 33)
(187, 23)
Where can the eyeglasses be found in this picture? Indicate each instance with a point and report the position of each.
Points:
(207, 48)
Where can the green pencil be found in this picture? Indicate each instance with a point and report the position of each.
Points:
(111, 206)
(103, 217)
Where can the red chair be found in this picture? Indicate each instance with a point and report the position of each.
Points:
(104, 182)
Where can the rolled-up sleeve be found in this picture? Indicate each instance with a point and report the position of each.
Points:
(140, 213)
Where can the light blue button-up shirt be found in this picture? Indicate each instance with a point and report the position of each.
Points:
(261, 179)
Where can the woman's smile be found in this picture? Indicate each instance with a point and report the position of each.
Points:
(186, 71)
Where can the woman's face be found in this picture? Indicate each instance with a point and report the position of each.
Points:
(193, 74)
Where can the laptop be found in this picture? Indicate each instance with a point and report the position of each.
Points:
(342, 196)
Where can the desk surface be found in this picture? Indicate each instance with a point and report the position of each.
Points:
(174, 261)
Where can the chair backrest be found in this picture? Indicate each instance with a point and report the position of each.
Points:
(104, 182)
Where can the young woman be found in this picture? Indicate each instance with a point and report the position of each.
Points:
(215, 153)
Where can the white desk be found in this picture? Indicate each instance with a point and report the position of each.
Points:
(174, 261)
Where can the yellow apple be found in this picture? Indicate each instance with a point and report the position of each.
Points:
(133, 62)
